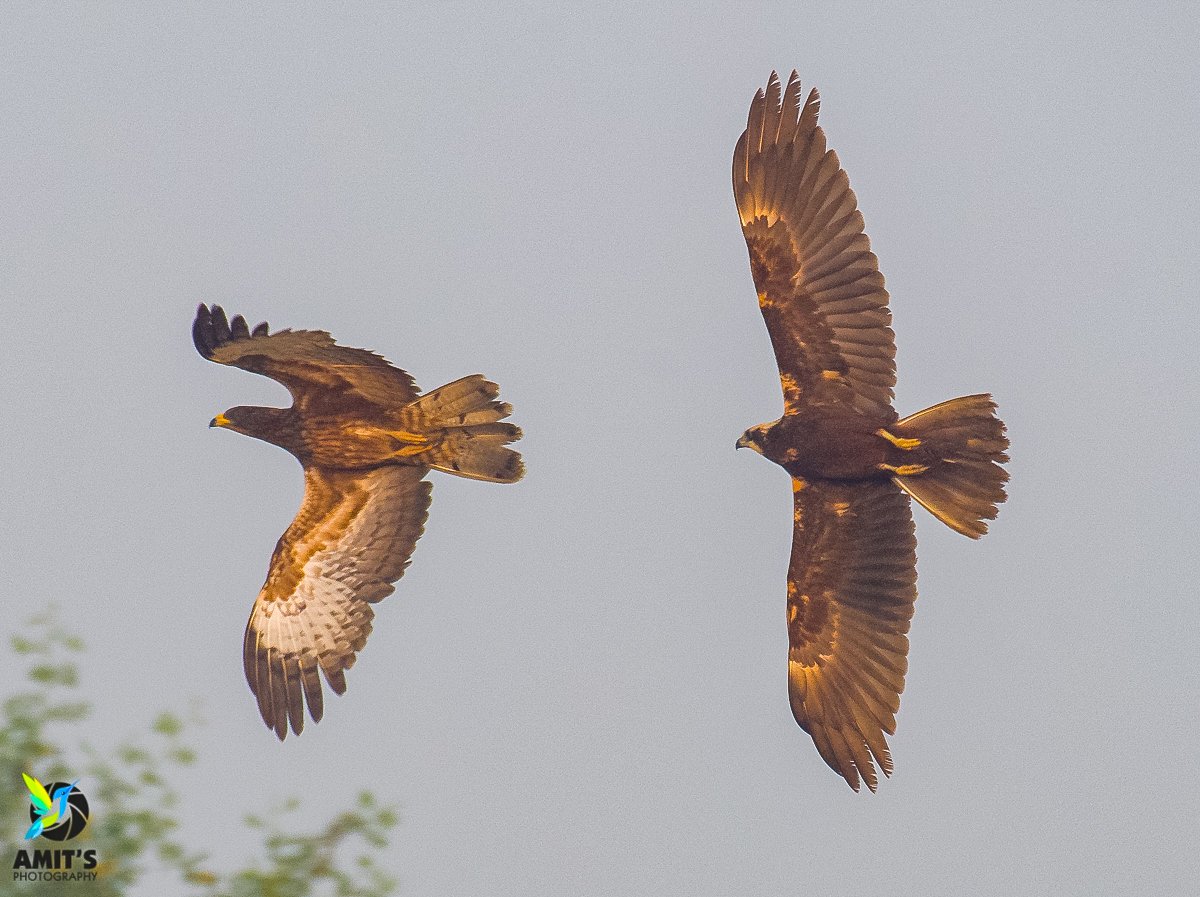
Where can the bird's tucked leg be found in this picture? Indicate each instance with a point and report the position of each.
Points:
(905, 470)
(900, 442)
(410, 443)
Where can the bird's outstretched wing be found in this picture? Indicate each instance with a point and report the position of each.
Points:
(320, 374)
(352, 538)
(852, 583)
(818, 282)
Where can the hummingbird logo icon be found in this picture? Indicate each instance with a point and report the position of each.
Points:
(52, 808)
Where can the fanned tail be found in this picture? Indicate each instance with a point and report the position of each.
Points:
(962, 447)
(472, 438)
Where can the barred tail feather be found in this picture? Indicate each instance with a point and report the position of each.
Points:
(478, 452)
(962, 445)
(471, 400)
(472, 438)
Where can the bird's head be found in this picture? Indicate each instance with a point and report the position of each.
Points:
(250, 420)
(235, 419)
(754, 438)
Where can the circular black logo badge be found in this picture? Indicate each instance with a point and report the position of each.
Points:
(72, 822)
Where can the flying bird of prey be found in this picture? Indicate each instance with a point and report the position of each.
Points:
(853, 462)
(366, 438)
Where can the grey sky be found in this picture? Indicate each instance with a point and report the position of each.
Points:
(579, 687)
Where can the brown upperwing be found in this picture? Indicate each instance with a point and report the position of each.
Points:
(852, 583)
(351, 539)
(818, 282)
(321, 375)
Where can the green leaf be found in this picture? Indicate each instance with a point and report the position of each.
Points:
(73, 643)
(168, 724)
(182, 755)
(24, 646)
(49, 674)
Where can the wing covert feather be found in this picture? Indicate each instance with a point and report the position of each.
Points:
(352, 538)
(851, 591)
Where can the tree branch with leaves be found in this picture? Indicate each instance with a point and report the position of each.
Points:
(135, 812)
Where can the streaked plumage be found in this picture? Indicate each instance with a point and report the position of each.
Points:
(366, 439)
(854, 464)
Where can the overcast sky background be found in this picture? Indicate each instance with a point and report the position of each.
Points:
(579, 687)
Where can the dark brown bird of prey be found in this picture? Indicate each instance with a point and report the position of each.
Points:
(853, 462)
(366, 439)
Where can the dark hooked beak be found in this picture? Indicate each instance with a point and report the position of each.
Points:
(219, 421)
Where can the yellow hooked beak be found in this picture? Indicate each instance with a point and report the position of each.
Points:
(219, 421)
